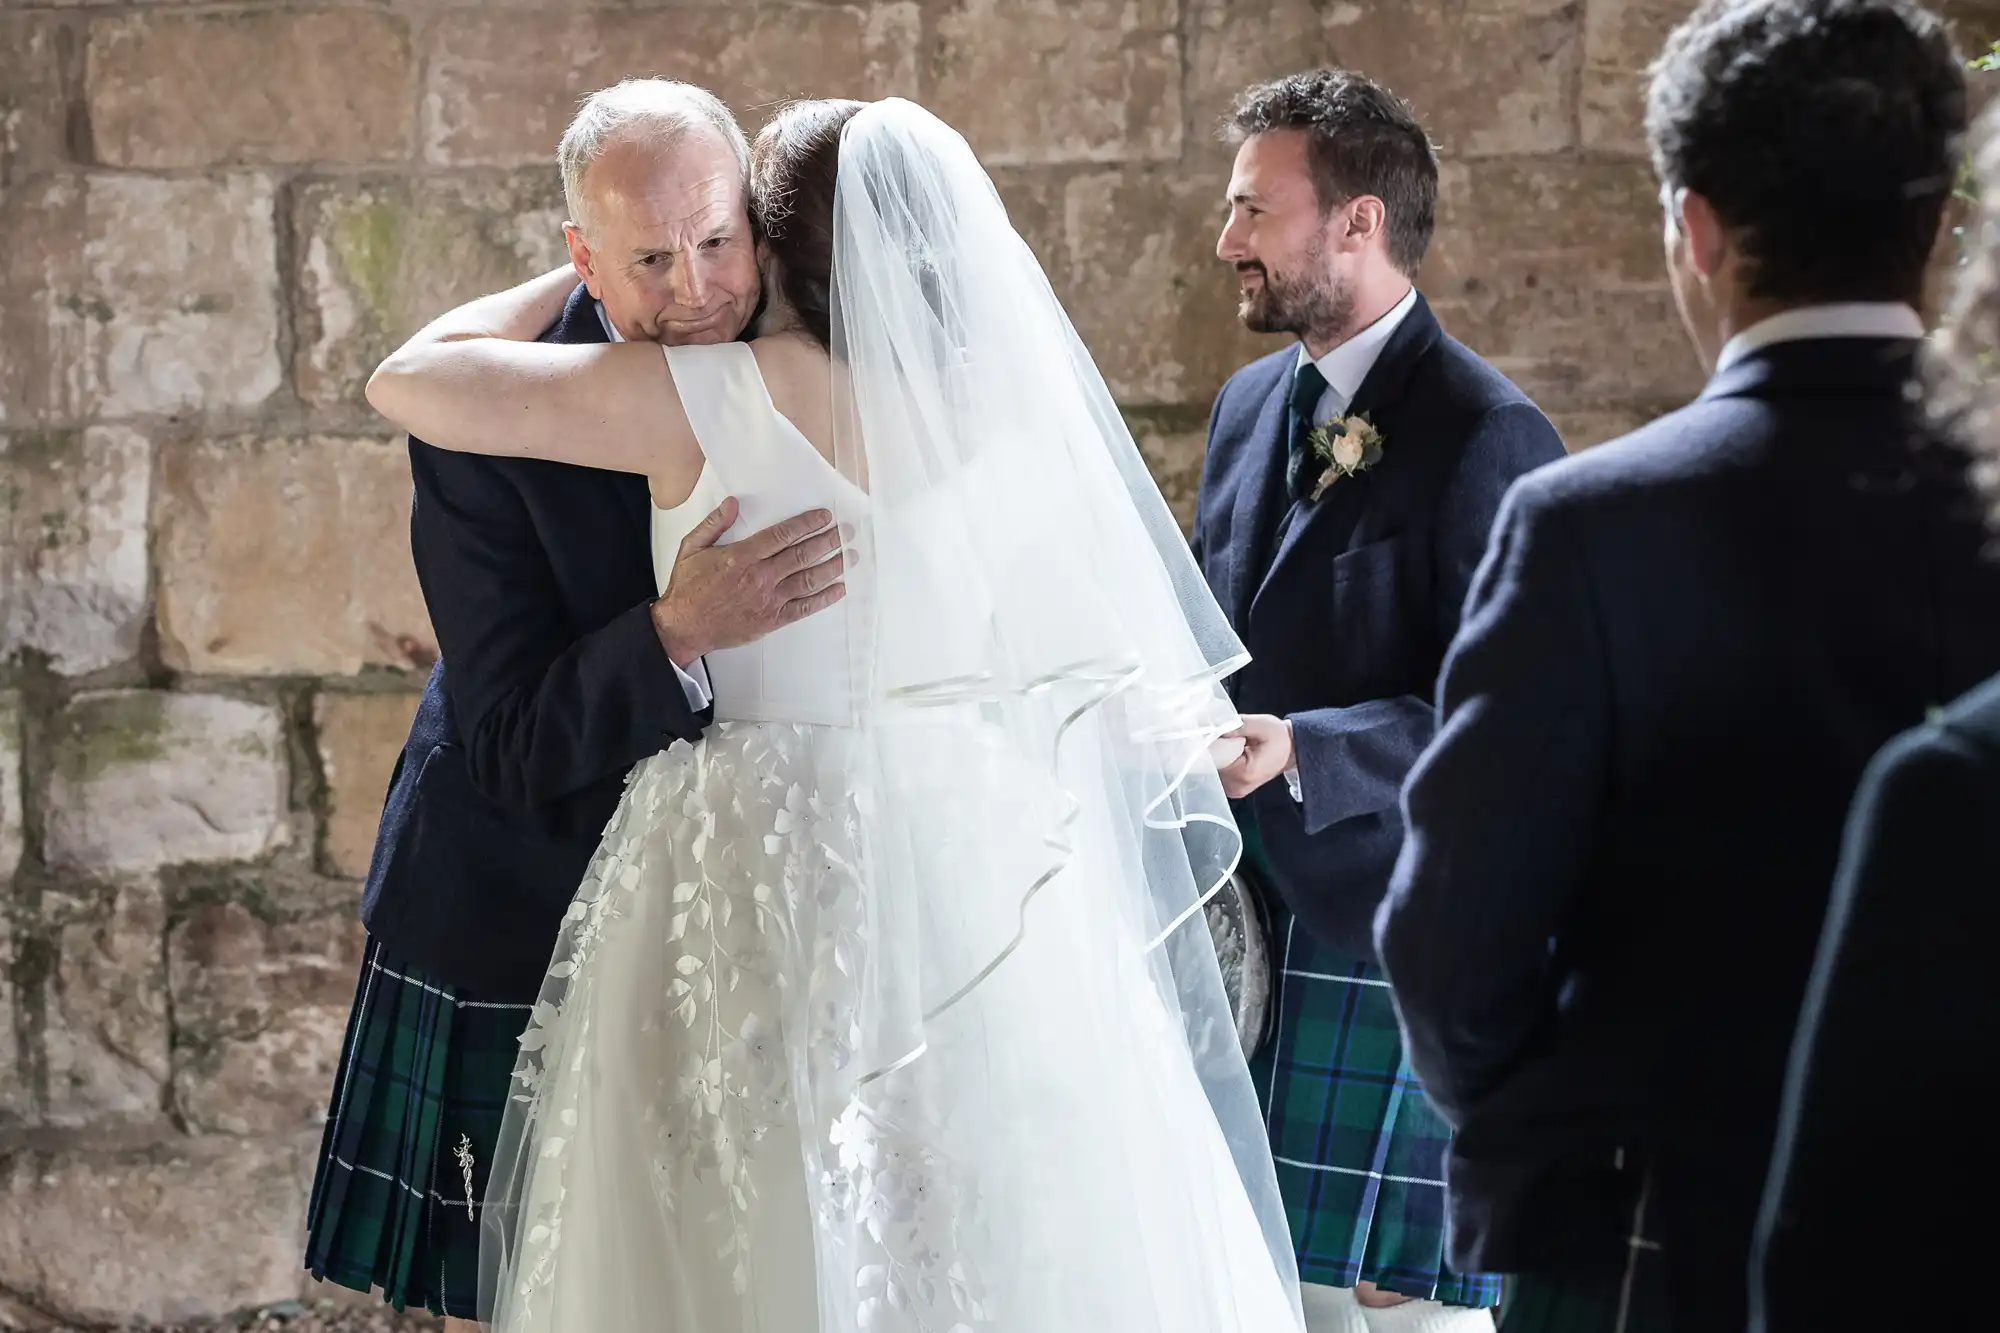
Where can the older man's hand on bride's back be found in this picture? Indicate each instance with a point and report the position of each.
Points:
(725, 596)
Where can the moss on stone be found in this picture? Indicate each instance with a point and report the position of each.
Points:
(368, 241)
(40, 450)
(89, 307)
(112, 731)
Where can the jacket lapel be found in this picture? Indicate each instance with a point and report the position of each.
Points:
(1380, 390)
(1260, 500)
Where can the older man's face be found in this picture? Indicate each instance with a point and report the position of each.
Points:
(669, 250)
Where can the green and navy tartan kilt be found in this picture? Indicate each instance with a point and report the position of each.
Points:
(1611, 1301)
(1360, 1152)
(424, 1077)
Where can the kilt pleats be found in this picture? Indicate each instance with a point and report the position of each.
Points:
(416, 1107)
(1360, 1151)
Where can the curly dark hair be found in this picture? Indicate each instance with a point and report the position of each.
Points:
(794, 166)
(1962, 365)
(1825, 133)
(1364, 140)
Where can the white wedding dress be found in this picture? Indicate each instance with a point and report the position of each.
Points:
(870, 1013)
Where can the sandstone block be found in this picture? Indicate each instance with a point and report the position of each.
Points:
(193, 90)
(1596, 220)
(176, 1231)
(73, 574)
(17, 1101)
(360, 736)
(1583, 427)
(485, 103)
(128, 295)
(1061, 80)
(1567, 345)
(288, 556)
(1487, 77)
(1143, 286)
(1233, 44)
(106, 1037)
(1173, 450)
(41, 56)
(1554, 271)
(378, 259)
(145, 779)
(1620, 39)
(1033, 197)
(259, 1011)
(11, 824)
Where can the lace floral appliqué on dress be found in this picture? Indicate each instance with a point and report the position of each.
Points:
(721, 914)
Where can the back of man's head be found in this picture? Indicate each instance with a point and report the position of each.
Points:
(1824, 134)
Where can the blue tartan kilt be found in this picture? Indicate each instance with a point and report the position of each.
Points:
(397, 1195)
(1360, 1152)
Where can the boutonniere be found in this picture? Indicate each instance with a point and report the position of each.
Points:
(1346, 445)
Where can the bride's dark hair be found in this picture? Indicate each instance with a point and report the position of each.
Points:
(793, 168)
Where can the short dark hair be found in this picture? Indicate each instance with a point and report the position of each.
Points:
(794, 167)
(1825, 133)
(1361, 139)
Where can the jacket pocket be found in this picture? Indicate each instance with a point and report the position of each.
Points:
(1370, 610)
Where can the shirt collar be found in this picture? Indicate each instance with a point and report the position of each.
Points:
(1347, 365)
(1852, 319)
(610, 329)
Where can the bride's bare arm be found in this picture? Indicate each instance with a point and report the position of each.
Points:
(475, 381)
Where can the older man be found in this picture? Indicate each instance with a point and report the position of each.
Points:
(561, 669)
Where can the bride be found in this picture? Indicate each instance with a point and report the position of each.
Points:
(890, 1005)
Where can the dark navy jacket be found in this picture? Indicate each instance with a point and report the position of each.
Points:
(552, 685)
(1680, 653)
(1347, 603)
(1902, 1015)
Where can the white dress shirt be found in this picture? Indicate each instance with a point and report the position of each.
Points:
(694, 683)
(1344, 368)
(1853, 319)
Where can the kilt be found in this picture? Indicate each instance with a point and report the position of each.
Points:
(424, 1077)
(1602, 1302)
(1633, 1297)
(1360, 1152)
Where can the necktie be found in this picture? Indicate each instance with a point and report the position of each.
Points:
(1301, 467)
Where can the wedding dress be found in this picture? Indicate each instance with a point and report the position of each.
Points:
(889, 1005)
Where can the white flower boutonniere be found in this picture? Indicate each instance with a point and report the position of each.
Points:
(1346, 445)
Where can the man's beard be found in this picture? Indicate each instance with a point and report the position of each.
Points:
(1315, 307)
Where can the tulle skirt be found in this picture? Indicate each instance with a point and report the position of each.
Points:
(703, 1141)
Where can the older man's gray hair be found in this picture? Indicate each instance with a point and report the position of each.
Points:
(655, 108)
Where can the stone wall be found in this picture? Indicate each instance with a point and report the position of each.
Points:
(216, 218)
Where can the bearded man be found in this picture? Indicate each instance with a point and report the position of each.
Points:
(1350, 484)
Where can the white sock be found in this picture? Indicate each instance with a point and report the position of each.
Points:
(1426, 1317)
(1331, 1310)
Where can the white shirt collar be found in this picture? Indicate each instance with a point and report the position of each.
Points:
(610, 329)
(1853, 319)
(1347, 365)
